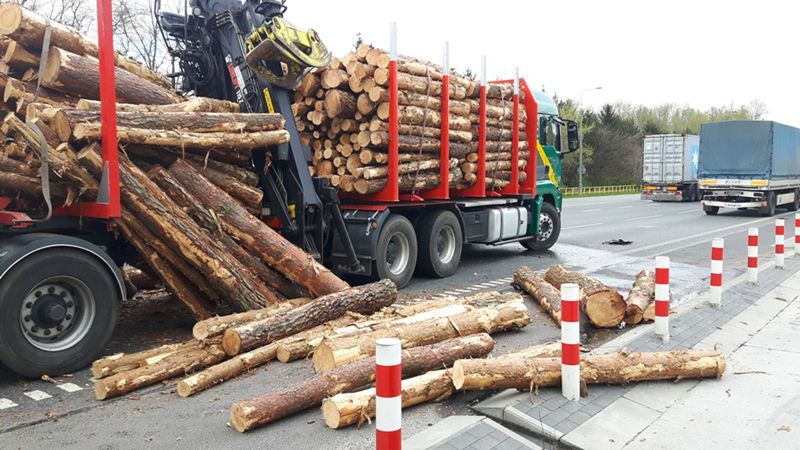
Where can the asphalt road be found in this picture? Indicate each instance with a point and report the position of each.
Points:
(156, 417)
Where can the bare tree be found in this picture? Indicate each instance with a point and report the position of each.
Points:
(78, 14)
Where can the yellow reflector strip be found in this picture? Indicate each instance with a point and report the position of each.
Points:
(758, 182)
(650, 188)
(672, 188)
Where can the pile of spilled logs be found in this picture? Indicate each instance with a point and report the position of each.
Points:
(189, 194)
(342, 112)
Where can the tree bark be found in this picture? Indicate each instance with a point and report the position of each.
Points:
(419, 85)
(122, 362)
(346, 409)
(198, 122)
(215, 326)
(417, 143)
(370, 173)
(195, 104)
(23, 93)
(413, 130)
(263, 241)
(362, 299)
(227, 369)
(408, 98)
(333, 78)
(175, 364)
(17, 57)
(414, 115)
(339, 103)
(604, 306)
(614, 368)
(259, 411)
(336, 351)
(642, 293)
(548, 297)
(80, 76)
(183, 139)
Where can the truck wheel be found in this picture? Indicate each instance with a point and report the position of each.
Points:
(396, 255)
(711, 210)
(769, 210)
(549, 229)
(58, 309)
(440, 241)
(795, 205)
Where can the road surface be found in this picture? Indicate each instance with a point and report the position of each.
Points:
(36, 414)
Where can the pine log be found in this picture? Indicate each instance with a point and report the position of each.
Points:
(364, 105)
(122, 362)
(28, 28)
(140, 279)
(339, 103)
(414, 115)
(263, 241)
(362, 299)
(198, 122)
(613, 368)
(419, 85)
(371, 173)
(381, 95)
(184, 140)
(175, 364)
(649, 313)
(246, 176)
(411, 143)
(227, 369)
(259, 411)
(215, 326)
(310, 85)
(604, 306)
(346, 409)
(548, 297)
(31, 186)
(194, 104)
(333, 78)
(249, 196)
(413, 130)
(336, 351)
(18, 57)
(497, 156)
(24, 93)
(79, 75)
(640, 296)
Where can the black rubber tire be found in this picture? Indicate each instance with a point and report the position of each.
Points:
(20, 355)
(769, 210)
(711, 210)
(539, 245)
(795, 205)
(381, 270)
(428, 238)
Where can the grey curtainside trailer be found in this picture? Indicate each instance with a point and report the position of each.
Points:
(749, 164)
(669, 170)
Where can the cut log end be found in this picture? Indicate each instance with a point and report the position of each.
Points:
(457, 375)
(331, 414)
(185, 387)
(606, 309)
(200, 330)
(231, 343)
(10, 18)
(239, 413)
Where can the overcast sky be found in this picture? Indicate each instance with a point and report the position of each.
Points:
(701, 52)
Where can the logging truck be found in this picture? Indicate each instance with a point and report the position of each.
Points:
(60, 278)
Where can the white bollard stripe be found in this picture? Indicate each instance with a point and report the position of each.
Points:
(388, 416)
(662, 327)
(388, 352)
(779, 239)
(716, 266)
(570, 333)
(752, 252)
(716, 294)
(571, 382)
(662, 262)
(662, 292)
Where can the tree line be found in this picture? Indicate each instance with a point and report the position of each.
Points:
(612, 136)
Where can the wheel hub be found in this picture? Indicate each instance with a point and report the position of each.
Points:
(397, 253)
(57, 313)
(446, 244)
(545, 227)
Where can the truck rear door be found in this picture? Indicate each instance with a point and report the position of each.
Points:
(673, 158)
(653, 172)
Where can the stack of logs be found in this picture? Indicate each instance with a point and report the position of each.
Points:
(189, 191)
(601, 305)
(342, 112)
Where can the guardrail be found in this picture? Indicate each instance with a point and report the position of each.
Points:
(572, 191)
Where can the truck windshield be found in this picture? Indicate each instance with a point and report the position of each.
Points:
(550, 132)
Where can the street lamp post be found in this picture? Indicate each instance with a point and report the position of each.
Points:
(580, 137)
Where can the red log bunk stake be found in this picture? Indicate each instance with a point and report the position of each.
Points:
(662, 298)
(717, 248)
(570, 342)
(388, 399)
(752, 255)
(779, 242)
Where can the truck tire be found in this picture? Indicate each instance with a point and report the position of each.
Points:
(711, 210)
(549, 229)
(58, 309)
(795, 205)
(440, 241)
(396, 252)
(769, 210)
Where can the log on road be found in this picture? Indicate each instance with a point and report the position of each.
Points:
(259, 411)
(217, 374)
(613, 368)
(215, 326)
(642, 293)
(603, 305)
(548, 297)
(365, 299)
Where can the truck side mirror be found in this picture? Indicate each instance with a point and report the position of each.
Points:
(573, 138)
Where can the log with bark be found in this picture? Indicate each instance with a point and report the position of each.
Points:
(215, 326)
(122, 362)
(184, 139)
(362, 299)
(227, 369)
(640, 296)
(194, 104)
(548, 297)
(603, 305)
(613, 368)
(336, 351)
(259, 411)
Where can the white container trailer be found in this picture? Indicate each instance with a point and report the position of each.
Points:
(669, 171)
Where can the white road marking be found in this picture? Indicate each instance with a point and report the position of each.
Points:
(624, 207)
(70, 387)
(507, 280)
(462, 291)
(591, 210)
(643, 218)
(581, 226)
(485, 285)
(6, 403)
(451, 293)
(497, 282)
(37, 395)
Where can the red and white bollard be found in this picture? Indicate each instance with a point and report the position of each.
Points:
(752, 255)
(717, 248)
(662, 298)
(796, 234)
(570, 342)
(780, 230)
(388, 400)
